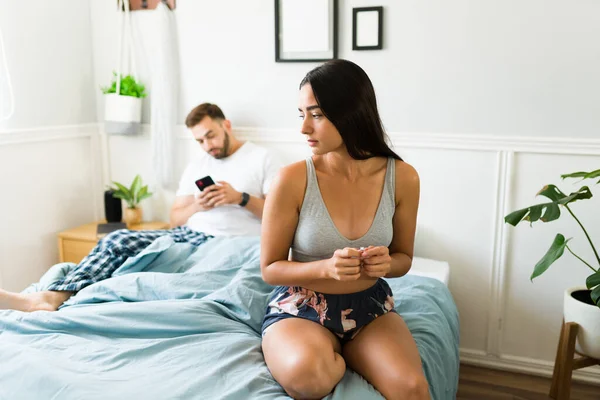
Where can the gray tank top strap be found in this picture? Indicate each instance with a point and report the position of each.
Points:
(311, 176)
(312, 194)
(390, 179)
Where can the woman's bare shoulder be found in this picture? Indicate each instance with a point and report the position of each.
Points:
(292, 172)
(405, 171)
(292, 178)
(407, 179)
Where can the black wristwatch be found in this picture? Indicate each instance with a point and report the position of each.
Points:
(245, 199)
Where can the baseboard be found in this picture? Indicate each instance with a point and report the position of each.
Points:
(525, 365)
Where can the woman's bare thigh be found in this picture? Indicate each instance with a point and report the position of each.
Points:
(303, 357)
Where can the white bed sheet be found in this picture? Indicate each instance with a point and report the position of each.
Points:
(439, 270)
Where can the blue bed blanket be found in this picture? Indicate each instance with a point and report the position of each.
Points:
(183, 322)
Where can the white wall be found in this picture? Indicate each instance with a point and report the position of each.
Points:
(48, 149)
(479, 67)
(50, 61)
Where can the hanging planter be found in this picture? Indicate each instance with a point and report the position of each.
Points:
(123, 112)
(123, 98)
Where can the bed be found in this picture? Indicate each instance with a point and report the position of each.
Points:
(183, 322)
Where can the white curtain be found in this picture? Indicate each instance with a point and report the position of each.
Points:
(157, 58)
(7, 99)
(163, 60)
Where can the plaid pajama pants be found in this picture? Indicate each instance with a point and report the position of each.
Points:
(112, 251)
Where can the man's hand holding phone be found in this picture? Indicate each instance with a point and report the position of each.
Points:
(216, 195)
(202, 198)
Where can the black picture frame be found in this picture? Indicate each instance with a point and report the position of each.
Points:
(355, 28)
(304, 19)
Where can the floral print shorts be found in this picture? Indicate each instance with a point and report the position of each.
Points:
(342, 314)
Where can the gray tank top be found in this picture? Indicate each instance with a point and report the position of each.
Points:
(317, 237)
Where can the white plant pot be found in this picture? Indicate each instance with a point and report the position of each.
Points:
(588, 319)
(122, 114)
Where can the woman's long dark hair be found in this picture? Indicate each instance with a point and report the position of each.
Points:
(346, 97)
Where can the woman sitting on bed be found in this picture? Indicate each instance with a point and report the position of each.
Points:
(349, 215)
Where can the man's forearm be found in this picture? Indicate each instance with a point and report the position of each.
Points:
(255, 206)
(180, 216)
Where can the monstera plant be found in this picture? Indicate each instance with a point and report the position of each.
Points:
(551, 211)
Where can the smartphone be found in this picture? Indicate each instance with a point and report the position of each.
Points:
(205, 182)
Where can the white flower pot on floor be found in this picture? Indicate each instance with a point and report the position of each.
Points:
(122, 114)
(588, 318)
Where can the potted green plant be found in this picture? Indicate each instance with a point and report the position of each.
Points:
(582, 303)
(132, 196)
(123, 105)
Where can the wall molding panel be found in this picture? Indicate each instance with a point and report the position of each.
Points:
(45, 134)
(52, 175)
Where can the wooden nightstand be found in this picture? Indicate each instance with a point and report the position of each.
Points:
(74, 244)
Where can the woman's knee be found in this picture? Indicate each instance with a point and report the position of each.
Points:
(312, 375)
(407, 386)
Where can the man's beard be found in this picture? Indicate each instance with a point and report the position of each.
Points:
(224, 152)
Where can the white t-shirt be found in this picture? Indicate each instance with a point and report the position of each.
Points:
(250, 169)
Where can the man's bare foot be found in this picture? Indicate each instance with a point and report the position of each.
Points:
(36, 301)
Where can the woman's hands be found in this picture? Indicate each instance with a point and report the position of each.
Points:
(376, 261)
(344, 265)
(349, 264)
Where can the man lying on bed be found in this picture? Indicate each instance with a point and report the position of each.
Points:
(233, 206)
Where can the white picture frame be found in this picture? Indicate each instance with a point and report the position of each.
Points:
(294, 42)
